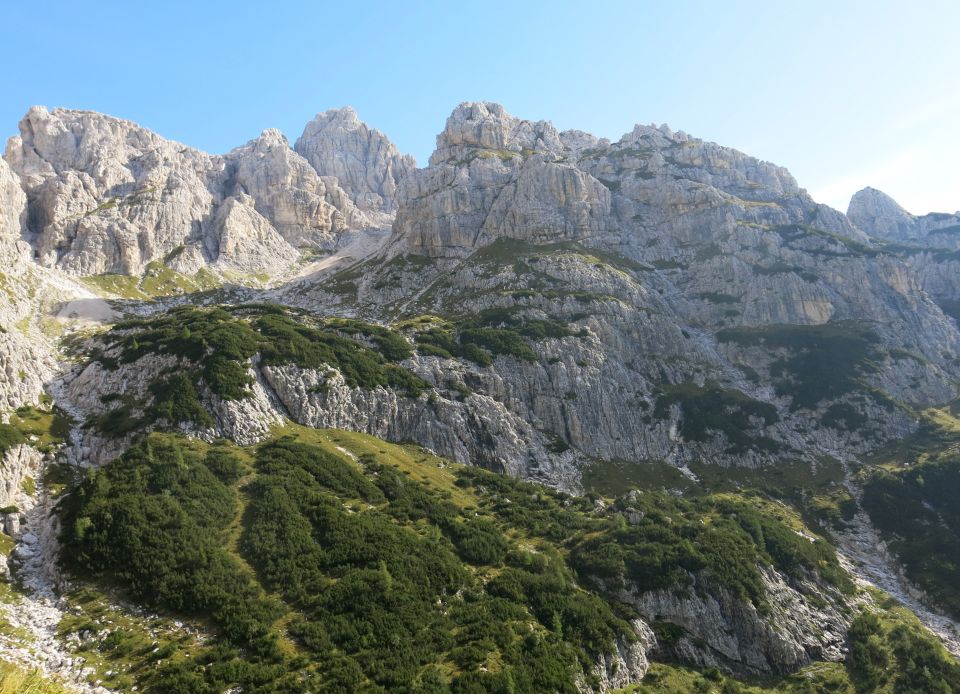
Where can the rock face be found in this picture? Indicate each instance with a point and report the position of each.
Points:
(365, 163)
(17, 464)
(879, 215)
(629, 663)
(726, 632)
(491, 176)
(928, 244)
(26, 359)
(247, 242)
(107, 196)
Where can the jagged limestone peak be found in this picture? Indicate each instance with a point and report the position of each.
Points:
(487, 126)
(367, 165)
(878, 214)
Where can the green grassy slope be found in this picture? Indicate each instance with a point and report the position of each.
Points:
(326, 560)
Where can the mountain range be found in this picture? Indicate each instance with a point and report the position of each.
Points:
(733, 409)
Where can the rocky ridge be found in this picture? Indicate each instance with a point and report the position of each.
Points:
(106, 196)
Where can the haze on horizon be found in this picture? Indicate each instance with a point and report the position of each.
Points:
(844, 95)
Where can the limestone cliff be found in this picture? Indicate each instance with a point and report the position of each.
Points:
(929, 244)
(364, 161)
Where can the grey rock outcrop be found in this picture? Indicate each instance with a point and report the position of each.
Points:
(13, 210)
(929, 244)
(26, 356)
(722, 630)
(364, 161)
(494, 175)
(247, 242)
(629, 662)
(877, 214)
(107, 195)
(289, 193)
(19, 463)
(491, 176)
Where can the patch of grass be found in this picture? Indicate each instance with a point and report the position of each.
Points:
(29, 486)
(157, 281)
(122, 649)
(437, 473)
(16, 680)
(938, 432)
(10, 436)
(122, 286)
(50, 426)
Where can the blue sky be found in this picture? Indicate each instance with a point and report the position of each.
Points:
(845, 93)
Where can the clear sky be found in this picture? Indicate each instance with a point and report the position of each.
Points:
(846, 93)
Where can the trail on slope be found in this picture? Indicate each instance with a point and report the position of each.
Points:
(36, 613)
(360, 244)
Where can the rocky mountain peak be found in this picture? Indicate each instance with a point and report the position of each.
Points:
(878, 214)
(494, 175)
(488, 126)
(367, 165)
(110, 150)
(271, 137)
(107, 196)
(345, 116)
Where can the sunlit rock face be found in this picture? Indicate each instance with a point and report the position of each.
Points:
(929, 244)
(365, 162)
(879, 215)
(108, 196)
